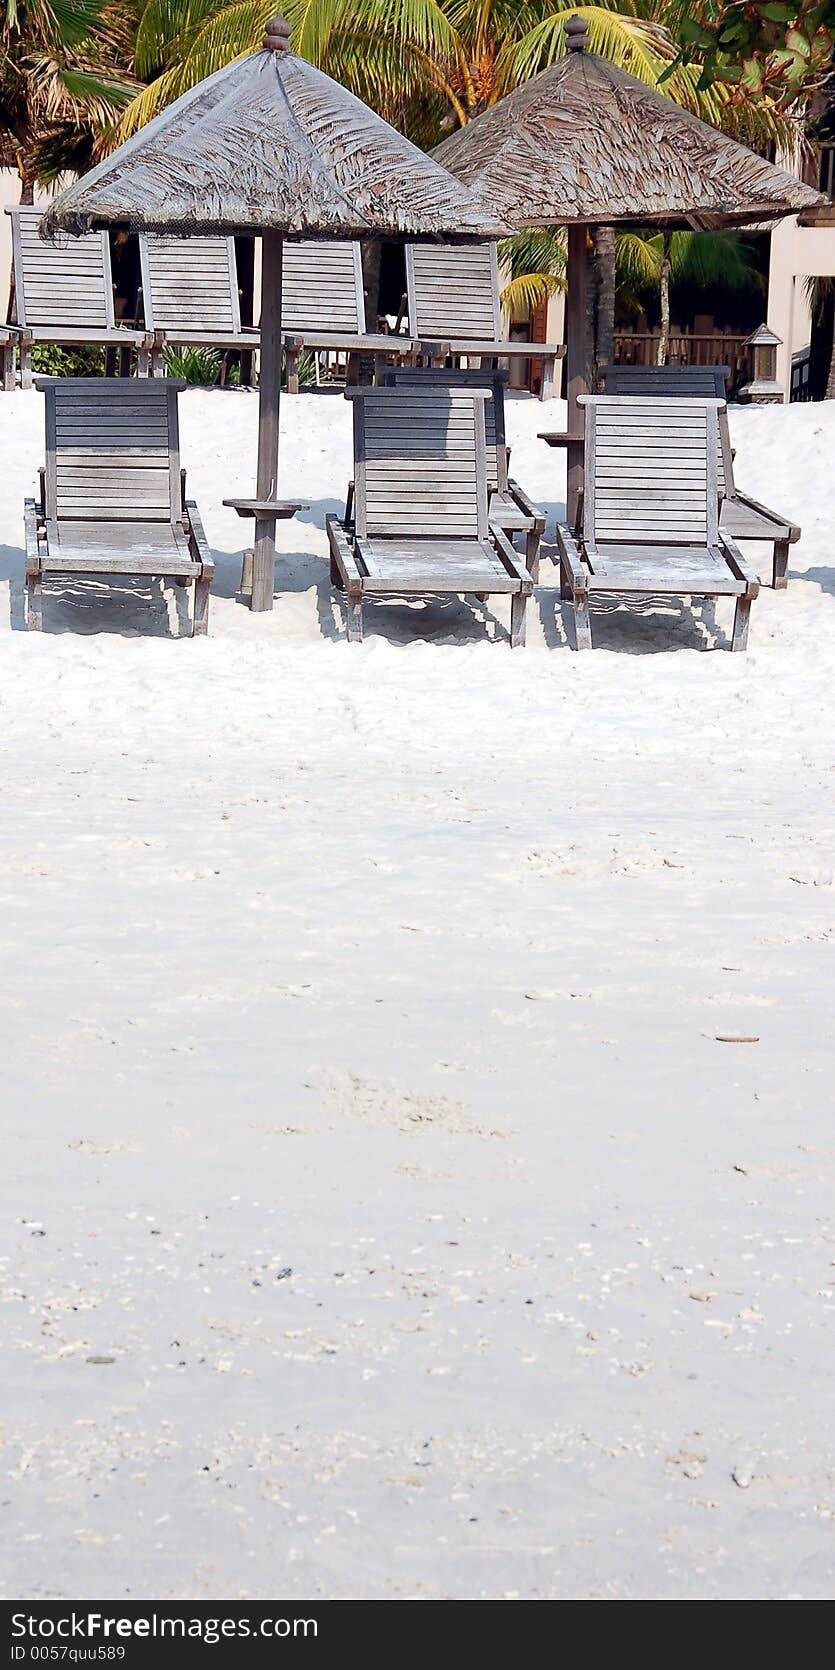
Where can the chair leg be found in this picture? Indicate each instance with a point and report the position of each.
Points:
(741, 615)
(518, 605)
(157, 363)
(780, 578)
(8, 367)
(143, 362)
(546, 387)
(292, 371)
(34, 597)
(353, 605)
(532, 542)
(246, 574)
(200, 623)
(582, 620)
(25, 366)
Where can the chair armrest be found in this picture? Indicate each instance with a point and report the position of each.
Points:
(197, 538)
(343, 556)
(554, 438)
(511, 559)
(526, 505)
(793, 533)
(739, 564)
(30, 523)
(570, 558)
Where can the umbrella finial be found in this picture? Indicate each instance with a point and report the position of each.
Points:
(277, 35)
(576, 34)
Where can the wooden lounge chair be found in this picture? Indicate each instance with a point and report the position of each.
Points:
(190, 294)
(510, 507)
(742, 517)
(112, 493)
(452, 294)
(651, 511)
(421, 505)
(64, 293)
(8, 346)
(323, 308)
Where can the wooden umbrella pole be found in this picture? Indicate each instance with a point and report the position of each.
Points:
(578, 362)
(269, 394)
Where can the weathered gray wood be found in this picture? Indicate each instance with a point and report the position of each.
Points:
(63, 293)
(420, 498)
(112, 489)
(190, 292)
(653, 528)
(269, 395)
(742, 517)
(453, 294)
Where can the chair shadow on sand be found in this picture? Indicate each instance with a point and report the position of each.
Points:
(114, 604)
(823, 577)
(124, 607)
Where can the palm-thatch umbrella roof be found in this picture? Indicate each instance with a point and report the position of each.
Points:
(266, 143)
(271, 145)
(586, 144)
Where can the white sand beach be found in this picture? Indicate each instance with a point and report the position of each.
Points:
(385, 1210)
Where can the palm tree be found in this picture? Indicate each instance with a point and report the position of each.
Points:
(429, 65)
(59, 82)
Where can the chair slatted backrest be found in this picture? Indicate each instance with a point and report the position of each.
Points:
(112, 449)
(678, 382)
(453, 291)
(67, 283)
(650, 471)
(190, 284)
(419, 462)
(403, 376)
(321, 288)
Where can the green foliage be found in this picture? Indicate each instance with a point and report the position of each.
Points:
(776, 49)
(61, 79)
(306, 369)
(48, 360)
(429, 65)
(198, 366)
(536, 260)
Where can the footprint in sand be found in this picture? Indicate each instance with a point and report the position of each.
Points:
(386, 1105)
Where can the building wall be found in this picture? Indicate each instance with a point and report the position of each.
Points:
(797, 252)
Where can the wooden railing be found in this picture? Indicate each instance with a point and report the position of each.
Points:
(716, 348)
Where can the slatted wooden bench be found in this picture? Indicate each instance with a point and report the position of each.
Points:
(742, 517)
(421, 525)
(190, 294)
(452, 294)
(64, 293)
(8, 347)
(510, 507)
(323, 308)
(112, 492)
(651, 511)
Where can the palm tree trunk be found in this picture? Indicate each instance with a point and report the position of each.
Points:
(664, 338)
(604, 263)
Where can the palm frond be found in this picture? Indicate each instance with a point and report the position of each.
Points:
(523, 295)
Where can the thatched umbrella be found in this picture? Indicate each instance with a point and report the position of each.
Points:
(271, 145)
(584, 144)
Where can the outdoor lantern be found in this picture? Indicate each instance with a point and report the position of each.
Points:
(763, 387)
